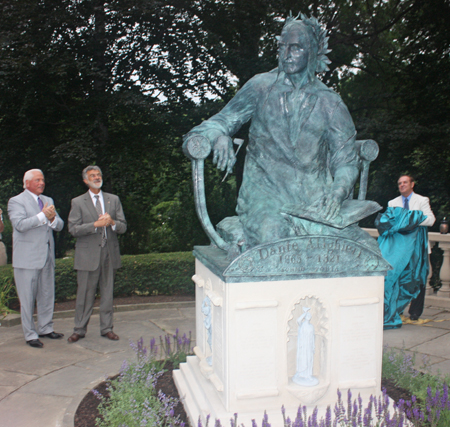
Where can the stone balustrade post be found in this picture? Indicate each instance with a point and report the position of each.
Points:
(445, 270)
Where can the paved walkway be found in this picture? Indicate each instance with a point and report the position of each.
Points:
(43, 387)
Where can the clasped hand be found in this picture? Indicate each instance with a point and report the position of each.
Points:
(104, 220)
(224, 155)
(49, 212)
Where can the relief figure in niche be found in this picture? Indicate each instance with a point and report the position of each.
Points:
(305, 351)
(207, 322)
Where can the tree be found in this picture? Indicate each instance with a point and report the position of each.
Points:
(98, 82)
(117, 83)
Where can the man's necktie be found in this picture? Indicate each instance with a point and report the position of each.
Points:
(406, 204)
(41, 205)
(98, 207)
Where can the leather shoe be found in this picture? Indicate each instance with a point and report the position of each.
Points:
(35, 343)
(111, 336)
(52, 335)
(413, 317)
(75, 337)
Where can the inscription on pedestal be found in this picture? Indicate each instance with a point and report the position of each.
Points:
(255, 337)
(309, 255)
(358, 343)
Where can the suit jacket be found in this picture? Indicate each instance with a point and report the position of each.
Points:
(89, 238)
(416, 203)
(31, 236)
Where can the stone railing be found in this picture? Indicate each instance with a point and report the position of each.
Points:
(442, 297)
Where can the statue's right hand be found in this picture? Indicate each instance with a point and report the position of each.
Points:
(224, 155)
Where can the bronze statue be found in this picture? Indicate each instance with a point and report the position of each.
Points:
(302, 157)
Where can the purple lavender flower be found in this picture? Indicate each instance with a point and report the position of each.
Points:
(233, 421)
(97, 394)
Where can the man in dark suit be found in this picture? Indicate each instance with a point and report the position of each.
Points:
(34, 218)
(95, 219)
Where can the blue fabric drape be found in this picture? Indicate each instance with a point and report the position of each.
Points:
(405, 246)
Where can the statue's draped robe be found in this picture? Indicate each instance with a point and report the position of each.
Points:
(298, 139)
(305, 350)
(404, 244)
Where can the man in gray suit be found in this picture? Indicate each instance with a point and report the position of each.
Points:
(95, 219)
(34, 218)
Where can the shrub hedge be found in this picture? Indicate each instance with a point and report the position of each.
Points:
(148, 274)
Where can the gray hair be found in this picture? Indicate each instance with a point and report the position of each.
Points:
(89, 168)
(29, 175)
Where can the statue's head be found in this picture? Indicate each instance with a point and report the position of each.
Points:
(303, 46)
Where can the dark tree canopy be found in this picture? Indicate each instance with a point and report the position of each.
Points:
(117, 83)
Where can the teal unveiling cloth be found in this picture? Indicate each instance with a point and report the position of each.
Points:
(405, 246)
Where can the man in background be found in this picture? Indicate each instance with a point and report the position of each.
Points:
(34, 218)
(95, 219)
(3, 257)
(413, 201)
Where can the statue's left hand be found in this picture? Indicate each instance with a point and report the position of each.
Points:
(224, 155)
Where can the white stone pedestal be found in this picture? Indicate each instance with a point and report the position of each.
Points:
(254, 346)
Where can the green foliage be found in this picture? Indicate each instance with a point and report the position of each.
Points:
(155, 274)
(6, 279)
(175, 348)
(133, 400)
(151, 274)
(7, 293)
(431, 391)
(65, 280)
(400, 367)
(114, 83)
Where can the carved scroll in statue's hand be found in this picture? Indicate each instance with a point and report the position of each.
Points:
(223, 153)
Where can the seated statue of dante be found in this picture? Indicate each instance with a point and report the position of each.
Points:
(301, 148)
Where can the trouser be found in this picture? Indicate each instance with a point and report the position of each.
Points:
(36, 286)
(416, 307)
(103, 276)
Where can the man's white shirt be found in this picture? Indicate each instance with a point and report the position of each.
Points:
(102, 203)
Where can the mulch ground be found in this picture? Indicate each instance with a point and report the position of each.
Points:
(87, 411)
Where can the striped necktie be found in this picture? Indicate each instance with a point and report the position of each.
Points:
(98, 207)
